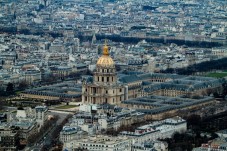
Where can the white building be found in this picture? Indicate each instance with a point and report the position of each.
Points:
(88, 107)
(100, 143)
(150, 146)
(160, 129)
(91, 129)
(77, 121)
(21, 113)
(32, 76)
(220, 52)
(41, 114)
(106, 118)
(69, 133)
(123, 118)
(108, 123)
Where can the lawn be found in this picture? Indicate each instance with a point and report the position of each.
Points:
(217, 75)
(66, 107)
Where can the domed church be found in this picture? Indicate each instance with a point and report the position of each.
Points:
(105, 87)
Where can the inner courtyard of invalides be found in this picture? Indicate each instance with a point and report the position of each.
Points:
(155, 94)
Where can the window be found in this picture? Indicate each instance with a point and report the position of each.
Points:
(106, 91)
(107, 79)
(102, 79)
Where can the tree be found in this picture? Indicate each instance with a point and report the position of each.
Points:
(2, 104)
(23, 85)
(216, 95)
(194, 119)
(33, 138)
(10, 88)
(2, 91)
(41, 6)
(209, 91)
(112, 132)
(51, 78)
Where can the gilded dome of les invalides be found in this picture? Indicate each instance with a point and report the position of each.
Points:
(105, 60)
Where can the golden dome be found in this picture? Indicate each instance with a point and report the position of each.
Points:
(105, 60)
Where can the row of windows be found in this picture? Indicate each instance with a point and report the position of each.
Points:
(120, 90)
(106, 70)
(101, 79)
(106, 99)
(95, 145)
(94, 90)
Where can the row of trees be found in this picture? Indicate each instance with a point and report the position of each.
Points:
(184, 141)
(116, 38)
(50, 79)
(33, 138)
(207, 66)
(135, 40)
(8, 91)
(13, 30)
(189, 140)
(11, 88)
(55, 135)
(197, 135)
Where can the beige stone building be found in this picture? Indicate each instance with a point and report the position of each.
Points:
(105, 87)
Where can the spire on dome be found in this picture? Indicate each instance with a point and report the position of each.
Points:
(105, 49)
